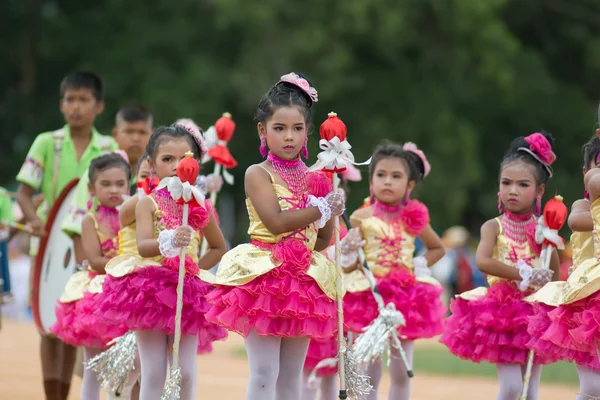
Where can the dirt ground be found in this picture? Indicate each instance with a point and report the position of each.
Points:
(222, 375)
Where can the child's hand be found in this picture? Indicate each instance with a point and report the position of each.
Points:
(352, 241)
(36, 227)
(336, 202)
(182, 236)
(214, 183)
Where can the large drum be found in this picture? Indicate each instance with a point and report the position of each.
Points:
(55, 262)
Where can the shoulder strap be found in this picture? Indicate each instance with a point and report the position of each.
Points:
(268, 172)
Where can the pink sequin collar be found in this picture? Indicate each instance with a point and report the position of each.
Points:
(293, 172)
(108, 217)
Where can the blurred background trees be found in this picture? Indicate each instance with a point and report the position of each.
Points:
(461, 78)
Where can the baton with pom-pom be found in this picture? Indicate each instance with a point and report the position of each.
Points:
(334, 158)
(546, 233)
(182, 189)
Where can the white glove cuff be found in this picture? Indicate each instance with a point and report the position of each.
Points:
(525, 271)
(323, 207)
(166, 243)
(420, 267)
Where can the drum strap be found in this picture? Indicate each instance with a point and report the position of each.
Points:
(58, 137)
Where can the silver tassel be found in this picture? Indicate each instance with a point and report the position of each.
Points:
(358, 384)
(172, 386)
(374, 340)
(113, 365)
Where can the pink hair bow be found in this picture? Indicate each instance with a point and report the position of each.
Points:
(302, 83)
(410, 146)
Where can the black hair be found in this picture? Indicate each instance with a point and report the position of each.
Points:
(106, 161)
(541, 172)
(416, 168)
(134, 113)
(284, 94)
(166, 133)
(591, 151)
(83, 79)
(143, 158)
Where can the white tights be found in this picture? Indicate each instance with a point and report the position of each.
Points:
(399, 380)
(275, 367)
(153, 359)
(589, 382)
(510, 377)
(328, 387)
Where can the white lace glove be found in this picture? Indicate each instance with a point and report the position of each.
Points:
(532, 277)
(336, 202)
(420, 267)
(171, 241)
(214, 183)
(323, 207)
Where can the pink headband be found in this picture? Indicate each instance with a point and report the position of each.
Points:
(123, 154)
(193, 130)
(410, 146)
(540, 149)
(302, 83)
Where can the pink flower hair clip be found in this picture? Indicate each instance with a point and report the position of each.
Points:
(123, 154)
(302, 83)
(195, 131)
(410, 146)
(541, 150)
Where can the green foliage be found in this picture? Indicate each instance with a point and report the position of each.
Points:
(461, 78)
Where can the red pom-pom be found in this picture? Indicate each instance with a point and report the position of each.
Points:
(555, 213)
(224, 128)
(414, 217)
(333, 127)
(188, 169)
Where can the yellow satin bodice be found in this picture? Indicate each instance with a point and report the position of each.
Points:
(509, 251)
(585, 279)
(582, 245)
(246, 262)
(128, 240)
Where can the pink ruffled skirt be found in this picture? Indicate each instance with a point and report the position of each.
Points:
(319, 350)
(541, 329)
(146, 299)
(420, 303)
(284, 302)
(77, 324)
(492, 328)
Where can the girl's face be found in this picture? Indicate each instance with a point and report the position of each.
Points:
(285, 132)
(390, 180)
(518, 187)
(109, 186)
(168, 156)
(144, 171)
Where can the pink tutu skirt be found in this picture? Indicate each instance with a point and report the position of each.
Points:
(283, 302)
(420, 303)
(492, 328)
(146, 299)
(77, 323)
(319, 350)
(541, 328)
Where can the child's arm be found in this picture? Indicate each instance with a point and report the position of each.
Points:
(580, 218)
(25, 195)
(485, 262)
(555, 265)
(434, 245)
(264, 199)
(146, 242)
(216, 245)
(127, 211)
(324, 236)
(92, 247)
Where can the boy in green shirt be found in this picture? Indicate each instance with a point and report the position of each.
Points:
(132, 131)
(54, 159)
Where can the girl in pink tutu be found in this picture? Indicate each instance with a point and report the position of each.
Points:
(141, 291)
(491, 324)
(386, 229)
(76, 322)
(278, 291)
(564, 325)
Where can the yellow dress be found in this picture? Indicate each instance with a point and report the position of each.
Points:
(389, 252)
(277, 285)
(76, 322)
(491, 324)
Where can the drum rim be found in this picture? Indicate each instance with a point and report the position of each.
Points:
(39, 258)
